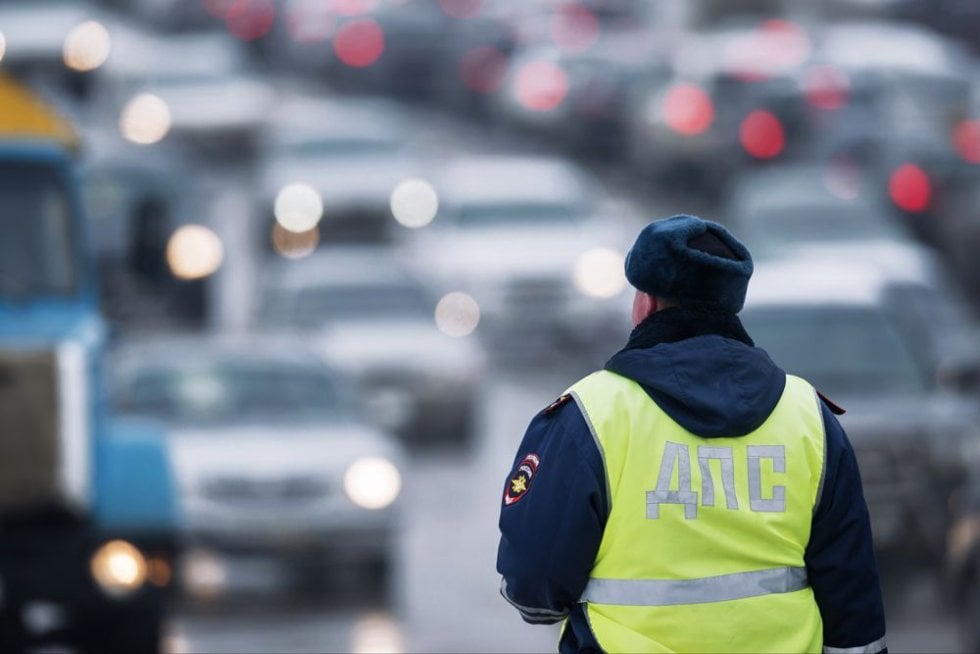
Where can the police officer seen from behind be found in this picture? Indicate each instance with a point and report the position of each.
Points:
(691, 496)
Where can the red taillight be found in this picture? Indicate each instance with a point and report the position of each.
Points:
(249, 20)
(910, 188)
(359, 43)
(541, 85)
(688, 109)
(574, 28)
(762, 134)
(825, 87)
(966, 140)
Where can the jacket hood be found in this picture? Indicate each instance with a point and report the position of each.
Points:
(702, 368)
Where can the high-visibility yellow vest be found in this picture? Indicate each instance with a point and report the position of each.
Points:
(703, 548)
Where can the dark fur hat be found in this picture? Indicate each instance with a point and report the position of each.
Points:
(686, 258)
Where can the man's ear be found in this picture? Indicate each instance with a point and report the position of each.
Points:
(643, 305)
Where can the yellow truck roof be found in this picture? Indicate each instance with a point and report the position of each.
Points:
(25, 116)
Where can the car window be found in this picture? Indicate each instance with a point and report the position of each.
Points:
(840, 222)
(513, 215)
(207, 392)
(337, 147)
(841, 350)
(36, 254)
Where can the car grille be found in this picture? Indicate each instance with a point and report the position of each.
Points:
(288, 489)
(29, 430)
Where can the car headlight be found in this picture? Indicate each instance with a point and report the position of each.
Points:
(372, 483)
(598, 273)
(119, 568)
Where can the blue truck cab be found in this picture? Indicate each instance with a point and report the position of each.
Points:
(88, 509)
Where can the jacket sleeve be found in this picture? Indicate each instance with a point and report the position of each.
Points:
(550, 534)
(840, 557)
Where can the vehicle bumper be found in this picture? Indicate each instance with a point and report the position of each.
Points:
(45, 571)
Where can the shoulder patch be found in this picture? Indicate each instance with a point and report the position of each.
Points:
(835, 408)
(520, 482)
(554, 406)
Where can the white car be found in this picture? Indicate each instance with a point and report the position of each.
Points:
(351, 152)
(372, 318)
(200, 85)
(534, 240)
(269, 451)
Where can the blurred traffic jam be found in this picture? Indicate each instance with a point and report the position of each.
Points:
(282, 281)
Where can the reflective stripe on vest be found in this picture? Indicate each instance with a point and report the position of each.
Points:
(870, 648)
(670, 592)
(704, 542)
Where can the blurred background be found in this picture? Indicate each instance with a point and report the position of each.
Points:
(346, 249)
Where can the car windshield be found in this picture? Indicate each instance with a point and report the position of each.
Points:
(337, 147)
(513, 215)
(232, 391)
(36, 255)
(316, 306)
(840, 222)
(841, 350)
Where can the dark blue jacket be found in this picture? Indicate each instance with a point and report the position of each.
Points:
(706, 374)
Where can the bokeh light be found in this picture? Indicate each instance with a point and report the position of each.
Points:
(574, 28)
(194, 252)
(687, 109)
(298, 207)
(483, 69)
(843, 178)
(599, 273)
(118, 567)
(87, 46)
(541, 85)
(310, 21)
(457, 314)
(376, 633)
(461, 9)
(826, 87)
(761, 134)
(966, 140)
(294, 245)
(359, 43)
(203, 574)
(372, 482)
(414, 203)
(145, 119)
(910, 188)
(250, 20)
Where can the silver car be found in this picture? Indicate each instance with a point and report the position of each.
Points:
(891, 350)
(539, 246)
(269, 450)
(418, 365)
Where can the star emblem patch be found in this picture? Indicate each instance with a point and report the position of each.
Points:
(520, 481)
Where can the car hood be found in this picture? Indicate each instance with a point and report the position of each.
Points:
(502, 253)
(240, 103)
(413, 345)
(271, 451)
(937, 416)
